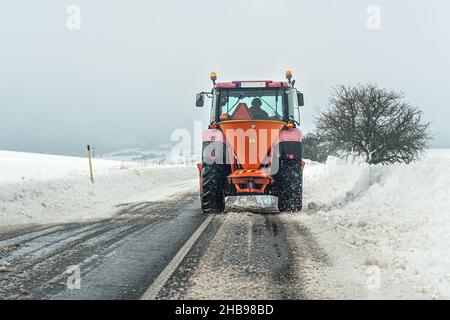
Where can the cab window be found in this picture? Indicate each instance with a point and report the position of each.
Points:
(252, 104)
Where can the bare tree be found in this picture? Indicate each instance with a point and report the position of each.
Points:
(373, 122)
(316, 148)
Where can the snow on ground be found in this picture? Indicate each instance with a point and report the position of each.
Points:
(162, 154)
(385, 228)
(41, 189)
(394, 220)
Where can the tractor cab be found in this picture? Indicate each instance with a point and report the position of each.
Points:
(253, 129)
(253, 100)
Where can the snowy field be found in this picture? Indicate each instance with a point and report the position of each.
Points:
(42, 189)
(390, 221)
(394, 221)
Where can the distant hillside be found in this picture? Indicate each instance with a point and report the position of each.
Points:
(162, 154)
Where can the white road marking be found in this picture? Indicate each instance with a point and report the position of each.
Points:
(164, 276)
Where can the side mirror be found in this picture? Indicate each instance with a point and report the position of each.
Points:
(300, 100)
(200, 100)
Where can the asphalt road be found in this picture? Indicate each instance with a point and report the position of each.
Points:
(243, 253)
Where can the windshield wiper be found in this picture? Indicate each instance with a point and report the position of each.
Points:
(239, 99)
(269, 106)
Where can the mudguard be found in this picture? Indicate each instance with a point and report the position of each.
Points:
(289, 145)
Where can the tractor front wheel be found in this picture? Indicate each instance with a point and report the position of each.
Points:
(212, 193)
(289, 183)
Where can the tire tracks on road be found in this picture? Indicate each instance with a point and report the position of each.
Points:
(38, 257)
(241, 255)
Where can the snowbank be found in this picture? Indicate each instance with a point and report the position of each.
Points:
(41, 189)
(398, 216)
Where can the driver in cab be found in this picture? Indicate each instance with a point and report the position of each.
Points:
(257, 112)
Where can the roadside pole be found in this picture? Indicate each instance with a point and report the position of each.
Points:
(90, 163)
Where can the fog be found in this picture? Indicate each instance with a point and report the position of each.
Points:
(129, 75)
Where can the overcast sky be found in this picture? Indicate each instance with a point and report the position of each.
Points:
(129, 75)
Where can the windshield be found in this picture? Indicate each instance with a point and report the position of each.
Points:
(252, 104)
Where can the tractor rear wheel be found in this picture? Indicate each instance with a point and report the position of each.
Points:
(213, 183)
(289, 184)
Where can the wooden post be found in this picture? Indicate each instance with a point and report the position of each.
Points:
(90, 163)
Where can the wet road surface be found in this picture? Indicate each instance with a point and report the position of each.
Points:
(118, 258)
(248, 253)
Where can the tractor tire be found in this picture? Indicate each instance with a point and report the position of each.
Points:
(289, 184)
(212, 194)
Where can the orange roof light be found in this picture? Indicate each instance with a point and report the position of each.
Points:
(288, 74)
(290, 125)
(213, 77)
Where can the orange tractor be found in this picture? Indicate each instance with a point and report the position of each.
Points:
(253, 145)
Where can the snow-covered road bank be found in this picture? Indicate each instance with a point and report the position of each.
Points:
(366, 231)
(42, 189)
(393, 220)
